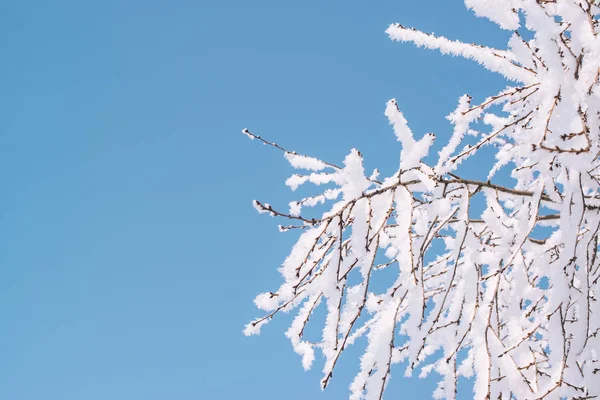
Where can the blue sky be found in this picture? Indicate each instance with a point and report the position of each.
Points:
(129, 249)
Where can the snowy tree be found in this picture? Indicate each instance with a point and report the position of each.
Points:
(506, 297)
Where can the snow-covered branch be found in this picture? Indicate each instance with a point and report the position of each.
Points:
(506, 296)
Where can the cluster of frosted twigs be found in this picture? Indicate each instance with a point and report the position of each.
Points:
(507, 298)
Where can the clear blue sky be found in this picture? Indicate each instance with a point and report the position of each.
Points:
(129, 249)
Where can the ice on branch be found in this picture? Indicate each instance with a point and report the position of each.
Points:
(502, 12)
(495, 60)
(248, 134)
(304, 162)
(493, 282)
(412, 151)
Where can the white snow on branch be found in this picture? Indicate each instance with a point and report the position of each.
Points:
(494, 280)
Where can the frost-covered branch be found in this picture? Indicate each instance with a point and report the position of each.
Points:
(506, 296)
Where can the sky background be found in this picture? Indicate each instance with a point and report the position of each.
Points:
(129, 250)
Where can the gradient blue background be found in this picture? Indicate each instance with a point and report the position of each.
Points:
(129, 250)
